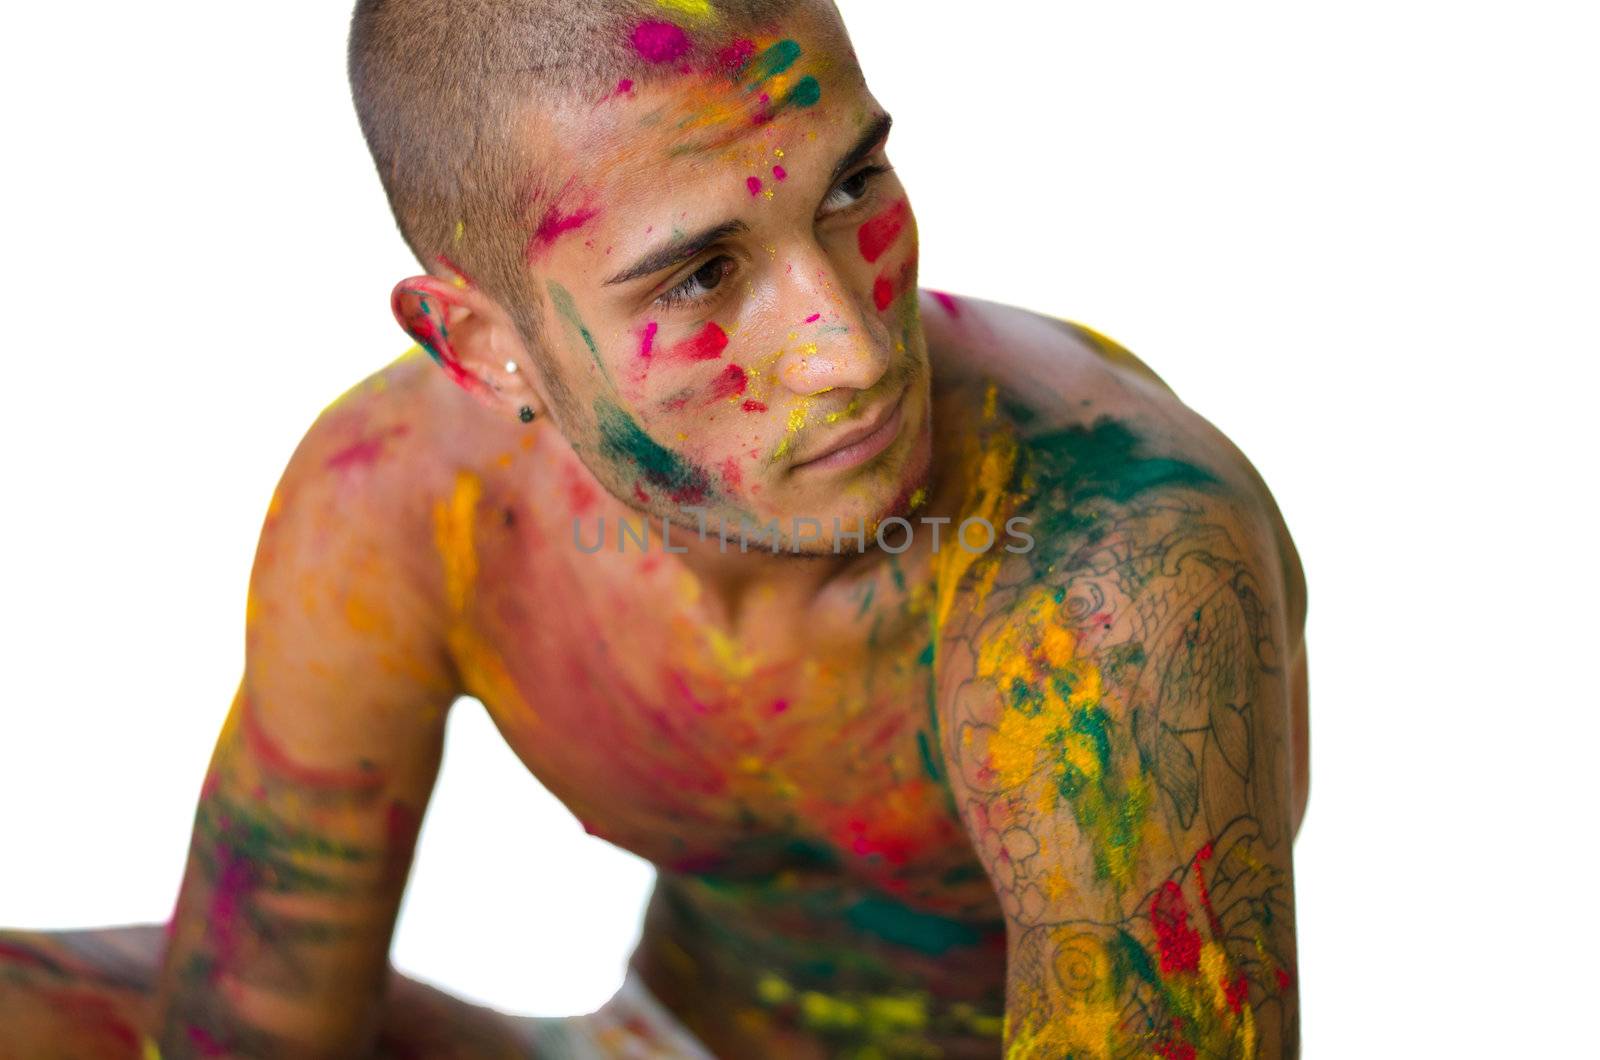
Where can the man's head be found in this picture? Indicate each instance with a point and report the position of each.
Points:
(669, 225)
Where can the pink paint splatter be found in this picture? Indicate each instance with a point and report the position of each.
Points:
(813, 318)
(754, 184)
(779, 173)
(778, 706)
(647, 339)
(882, 293)
(947, 303)
(878, 234)
(753, 406)
(731, 383)
(555, 224)
(365, 452)
(705, 346)
(733, 58)
(731, 474)
(659, 42)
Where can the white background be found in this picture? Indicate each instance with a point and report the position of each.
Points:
(1359, 237)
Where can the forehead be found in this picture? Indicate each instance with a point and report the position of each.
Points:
(783, 98)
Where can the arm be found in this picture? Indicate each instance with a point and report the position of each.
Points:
(307, 818)
(1115, 717)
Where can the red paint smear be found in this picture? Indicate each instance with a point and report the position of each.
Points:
(203, 1041)
(779, 173)
(882, 293)
(1204, 854)
(1175, 1050)
(365, 452)
(878, 234)
(581, 494)
(813, 318)
(1179, 943)
(275, 760)
(19, 955)
(729, 384)
(753, 406)
(647, 339)
(706, 346)
(1236, 993)
(947, 303)
(659, 42)
(638, 492)
(235, 883)
(778, 706)
(732, 59)
(731, 474)
(429, 336)
(754, 184)
(554, 225)
(86, 1011)
(401, 825)
(1283, 978)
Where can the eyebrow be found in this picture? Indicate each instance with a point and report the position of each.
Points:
(682, 248)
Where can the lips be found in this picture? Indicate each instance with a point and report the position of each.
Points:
(864, 438)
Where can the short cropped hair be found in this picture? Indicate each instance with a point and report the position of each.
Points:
(442, 89)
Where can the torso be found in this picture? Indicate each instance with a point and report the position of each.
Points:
(816, 886)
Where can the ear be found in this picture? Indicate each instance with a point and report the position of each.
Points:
(472, 340)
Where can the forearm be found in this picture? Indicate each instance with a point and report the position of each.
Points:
(279, 944)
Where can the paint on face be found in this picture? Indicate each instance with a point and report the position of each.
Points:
(879, 233)
(731, 383)
(754, 406)
(706, 345)
(553, 225)
(754, 185)
(761, 85)
(882, 293)
(779, 173)
(647, 340)
(947, 303)
(562, 298)
(698, 9)
(659, 42)
(627, 444)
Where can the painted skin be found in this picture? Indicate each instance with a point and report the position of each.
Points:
(932, 804)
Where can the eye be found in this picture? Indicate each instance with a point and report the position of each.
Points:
(853, 189)
(699, 284)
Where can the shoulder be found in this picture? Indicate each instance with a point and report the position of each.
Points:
(347, 531)
(1080, 401)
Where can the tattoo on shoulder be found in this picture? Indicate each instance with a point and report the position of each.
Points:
(1116, 731)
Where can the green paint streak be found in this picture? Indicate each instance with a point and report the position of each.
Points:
(569, 312)
(775, 60)
(924, 932)
(1070, 473)
(929, 765)
(866, 601)
(624, 441)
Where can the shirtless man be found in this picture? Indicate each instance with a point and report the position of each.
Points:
(962, 708)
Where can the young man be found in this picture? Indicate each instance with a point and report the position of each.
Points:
(949, 669)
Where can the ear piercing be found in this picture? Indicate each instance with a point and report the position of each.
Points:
(526, 413)
(511, 366)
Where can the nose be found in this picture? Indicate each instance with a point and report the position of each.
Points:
(842, 342)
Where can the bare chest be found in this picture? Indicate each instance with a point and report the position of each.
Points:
(808, 744)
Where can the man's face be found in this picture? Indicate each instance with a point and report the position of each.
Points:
(729, 288)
